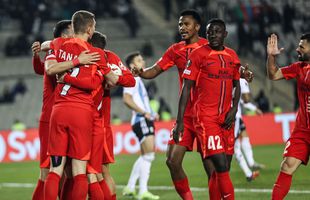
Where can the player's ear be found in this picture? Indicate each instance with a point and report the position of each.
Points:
(197, 27)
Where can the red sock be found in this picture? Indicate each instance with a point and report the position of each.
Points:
(182, 187)
(39, 191)
(214, 192)
(51, 186)
(80, 187)
(67, 189)
(225, 185)
(114, 197)
(282, 186)
(95, 192)
(106, 190)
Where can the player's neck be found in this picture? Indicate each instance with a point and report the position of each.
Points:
(192, 40)
(82, 36)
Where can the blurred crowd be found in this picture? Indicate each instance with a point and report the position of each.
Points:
(31, 16)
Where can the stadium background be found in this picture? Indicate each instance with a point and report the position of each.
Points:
(150, 27)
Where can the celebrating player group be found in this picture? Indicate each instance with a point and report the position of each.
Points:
(74, 128)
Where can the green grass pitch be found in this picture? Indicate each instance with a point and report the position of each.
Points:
(271, 156)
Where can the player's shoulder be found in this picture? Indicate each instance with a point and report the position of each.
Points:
(230, 51)
(58, 42)
(111, 54)
(177, 46)
(202, 41)
(201, 49)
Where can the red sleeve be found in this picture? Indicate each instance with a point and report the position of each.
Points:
(102, 64)
(193, 66)
(38, 66)
(87, 83)
(126, 80)
(290, 71)
(167, 60)
(237, 66)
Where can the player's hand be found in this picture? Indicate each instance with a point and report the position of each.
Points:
(230, 118)
(248, 75)
(272, 45)
(36, 48)
(136, 71)
(259, 112)
(60, 77)
(177, 132)
(148, 116)
(87, 58)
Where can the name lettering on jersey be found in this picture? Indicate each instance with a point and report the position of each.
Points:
(65, 55)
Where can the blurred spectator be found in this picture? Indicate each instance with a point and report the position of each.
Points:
(168, 9)
(18, 126)
(152, 89)
(164, 110)
(147, 49)
(288, 16)
(19, 88)
(6, 96)
(128, 12)
(262, 101)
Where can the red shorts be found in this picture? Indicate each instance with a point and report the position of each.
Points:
(43, 135)
(298, 146)
(213, 139)
(108, 154)
(189, 134)
(95, 161)
(71, 132)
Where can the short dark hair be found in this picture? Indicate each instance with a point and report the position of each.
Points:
(81, 20)
(98, 40)
(217, 21)
(61, 27)
(193, 13)
(305, 36)
(130, 57)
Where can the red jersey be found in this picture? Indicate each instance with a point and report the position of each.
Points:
(69, 50)
(214, 72)
(49, 83)
(177, 55)
(300, 71)
(125, 80)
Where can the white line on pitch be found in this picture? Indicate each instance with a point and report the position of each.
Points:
(196, 189)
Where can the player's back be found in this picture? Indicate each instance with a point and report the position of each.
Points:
(65, 93)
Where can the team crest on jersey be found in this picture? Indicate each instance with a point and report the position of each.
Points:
(188, 64)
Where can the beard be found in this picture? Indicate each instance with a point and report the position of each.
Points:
(304, 57)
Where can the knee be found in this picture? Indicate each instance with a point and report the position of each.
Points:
(172, 164)
(287, 167)
(149, 156)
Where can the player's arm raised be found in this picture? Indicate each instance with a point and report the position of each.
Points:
(52, 67)
(273, 72)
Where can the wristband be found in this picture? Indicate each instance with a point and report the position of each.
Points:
(75, 62)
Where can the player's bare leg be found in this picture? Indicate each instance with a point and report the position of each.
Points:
(282, 186)
(175, 155)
